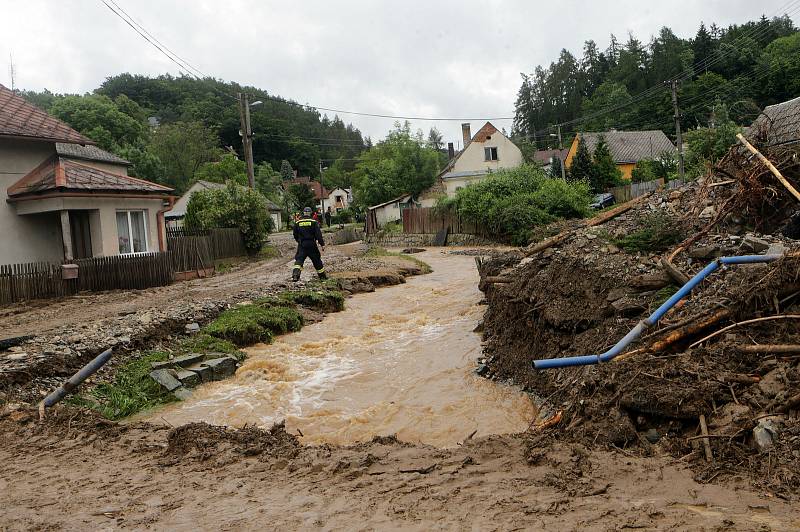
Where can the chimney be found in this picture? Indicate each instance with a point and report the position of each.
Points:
(451, 152)
(466, 133)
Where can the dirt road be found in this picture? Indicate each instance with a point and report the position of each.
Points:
(77, 472)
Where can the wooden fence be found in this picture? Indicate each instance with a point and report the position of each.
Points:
(634, 190)
(428, 220)
(198, 249)
(42, 280)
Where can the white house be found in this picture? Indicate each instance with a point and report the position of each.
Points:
(389, 211)
(338, 199)
(488, 151)
(175, 216)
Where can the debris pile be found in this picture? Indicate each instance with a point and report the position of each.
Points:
(716, 381)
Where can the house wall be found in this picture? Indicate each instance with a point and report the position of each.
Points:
(473, 157)
(331, 201)
(25, 238)
(388, 213)
(625, 168)
(452, 184)
(102, 218)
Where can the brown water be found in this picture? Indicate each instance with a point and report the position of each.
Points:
(398, 361)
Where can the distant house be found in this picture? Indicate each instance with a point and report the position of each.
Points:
(178, 212)
(387, 212)
(627, 147)
(778, 124)
(317, 189)
(66, 199)
(338, 199)
(489, 150)
(546, 158)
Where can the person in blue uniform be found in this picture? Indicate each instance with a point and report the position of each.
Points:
(307, 234)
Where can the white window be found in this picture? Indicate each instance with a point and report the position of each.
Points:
(132, 231)
(490, 153)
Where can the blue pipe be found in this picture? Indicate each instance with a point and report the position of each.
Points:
(651, 320)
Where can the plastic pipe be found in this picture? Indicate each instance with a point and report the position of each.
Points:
(651, 320)
(84, 373)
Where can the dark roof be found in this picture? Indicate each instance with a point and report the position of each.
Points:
(545, 156)
(779, 123)
(88, 153)
(631, 146)
(64, 175)
(19, 118)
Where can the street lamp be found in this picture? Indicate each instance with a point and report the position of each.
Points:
(257, 102)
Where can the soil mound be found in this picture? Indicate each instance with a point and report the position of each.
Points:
(594, 283)
(201, 441)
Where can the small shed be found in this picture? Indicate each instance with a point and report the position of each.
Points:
(389, 211)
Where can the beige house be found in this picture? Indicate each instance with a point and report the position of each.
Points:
(64, 198)
(175, 216)
(488, 151)
(338, 199)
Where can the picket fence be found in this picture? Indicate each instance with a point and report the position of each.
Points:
(187, 251)
(429, 220)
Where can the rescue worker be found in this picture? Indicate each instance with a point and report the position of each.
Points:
(307, 233)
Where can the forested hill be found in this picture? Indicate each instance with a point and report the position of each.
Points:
(744, 66)
(116, 116)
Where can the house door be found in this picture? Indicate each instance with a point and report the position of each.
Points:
(81, 234)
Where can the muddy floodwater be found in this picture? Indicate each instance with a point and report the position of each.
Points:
(397, 361)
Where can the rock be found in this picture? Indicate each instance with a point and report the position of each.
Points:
(652, 436)
(482, 370)
(205, 373)
(188, 378)
(182, 393)
(753, 244)
(705, 252)
(547, 253)
(221, 368)
(650, 281)
(478, 328)
(627, 309)
(772, 383)
(776, 249)
(615, 294)
(765, 432)
(708, 212)
(166, 379)
(145, 318)
(192, 328)
(183, 361)
(17, 356)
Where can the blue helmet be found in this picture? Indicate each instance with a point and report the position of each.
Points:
(307, 211)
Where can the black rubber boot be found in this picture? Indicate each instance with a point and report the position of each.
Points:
(323, 276)
(296, 274)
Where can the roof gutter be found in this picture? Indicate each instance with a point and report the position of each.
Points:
(161, 225)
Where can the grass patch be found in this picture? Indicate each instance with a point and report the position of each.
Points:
(223, 267)
(269, 252)
(251, 324)
(205, 343)
(131, 391)
(662, 295)
(322, 299)
(658, 233)
(382, 252)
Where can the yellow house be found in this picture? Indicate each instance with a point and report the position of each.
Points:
(626, 147)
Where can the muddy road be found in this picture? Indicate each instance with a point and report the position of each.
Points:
(397, 361)
(404, 358)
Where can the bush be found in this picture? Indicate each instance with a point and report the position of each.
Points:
(658, 233)
(324, 299)
(510, 203)
(232, 206)
(662, 167)
(344, 216)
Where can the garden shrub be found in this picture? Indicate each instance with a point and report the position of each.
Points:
(658, 233)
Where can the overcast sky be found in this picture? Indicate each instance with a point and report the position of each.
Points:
(419, 58)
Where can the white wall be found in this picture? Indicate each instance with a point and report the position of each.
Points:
(452, 184)
(473, 158)
(388, 213)
(25, 238)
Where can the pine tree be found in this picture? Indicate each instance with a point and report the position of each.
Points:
(555, 168)
(606, 174)
(703, 48)
(287, 172)
(435, 139)
(582, 167)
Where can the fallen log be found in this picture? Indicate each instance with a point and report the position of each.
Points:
(597, 220)
(690, 330)
(677, 275)
(769, 348)
(769, 165)
(706, 443)
(791, 404)
(497, 279)
(745, 322)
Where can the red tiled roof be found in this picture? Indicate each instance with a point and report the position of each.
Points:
(486, 131)
(19, 118)
(316, 187)
(63, 175)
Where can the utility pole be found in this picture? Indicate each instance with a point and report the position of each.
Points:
(247, 138)
(674, 86)
(561, 161)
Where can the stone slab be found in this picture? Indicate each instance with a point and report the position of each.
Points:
(189, 378)
(221, 368)
(165, 379)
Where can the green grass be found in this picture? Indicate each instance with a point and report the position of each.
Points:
(376, 251)
(251, 324)
(205, 343)
(223, 267)
(323, 299)
(658, 233)
(662, 295)
(269, 252)
(131, 391)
